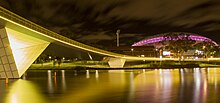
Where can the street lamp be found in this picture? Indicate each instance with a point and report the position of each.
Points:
(132, 51)
(50, 58)
(161, 54)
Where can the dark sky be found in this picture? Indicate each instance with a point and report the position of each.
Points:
(95, 22)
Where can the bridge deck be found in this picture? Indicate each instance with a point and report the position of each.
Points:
(14, 19)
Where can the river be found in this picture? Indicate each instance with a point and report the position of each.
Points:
(197, 85)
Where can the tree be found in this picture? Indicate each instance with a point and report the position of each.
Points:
(178, 43)
(206, 47)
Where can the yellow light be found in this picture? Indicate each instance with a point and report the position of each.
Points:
(25, 49)
(23, 91)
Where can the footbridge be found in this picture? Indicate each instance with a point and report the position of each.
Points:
(22, 41)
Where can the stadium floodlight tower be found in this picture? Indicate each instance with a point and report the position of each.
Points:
(117, 34)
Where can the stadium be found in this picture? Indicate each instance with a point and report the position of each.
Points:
(162, 39)
(180, 44)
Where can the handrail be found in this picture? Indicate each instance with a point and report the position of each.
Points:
(22, 21)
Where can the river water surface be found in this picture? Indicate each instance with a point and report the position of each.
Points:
(114, 86)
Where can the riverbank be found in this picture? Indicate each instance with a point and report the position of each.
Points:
(104, 66)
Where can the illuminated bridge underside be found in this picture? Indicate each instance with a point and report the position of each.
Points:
(17, 52)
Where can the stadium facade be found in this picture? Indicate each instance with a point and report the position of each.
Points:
(161, 39)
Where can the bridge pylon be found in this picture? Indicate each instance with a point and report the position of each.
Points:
(116, 62)
(18, 51)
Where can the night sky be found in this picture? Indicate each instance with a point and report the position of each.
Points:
(95, 22)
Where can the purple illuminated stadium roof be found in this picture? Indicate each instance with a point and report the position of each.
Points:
(167, 37)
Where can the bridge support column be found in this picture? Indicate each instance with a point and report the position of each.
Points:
(17, 52)
(116, 62)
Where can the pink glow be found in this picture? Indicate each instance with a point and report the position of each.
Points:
(162, 38)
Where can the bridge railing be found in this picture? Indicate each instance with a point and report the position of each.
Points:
(6, 14)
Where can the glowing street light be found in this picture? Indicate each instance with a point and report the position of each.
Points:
(50, 58)
(132, 51)
(161, 54)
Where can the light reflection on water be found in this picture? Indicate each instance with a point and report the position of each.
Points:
(22, 91)
(130, 86)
